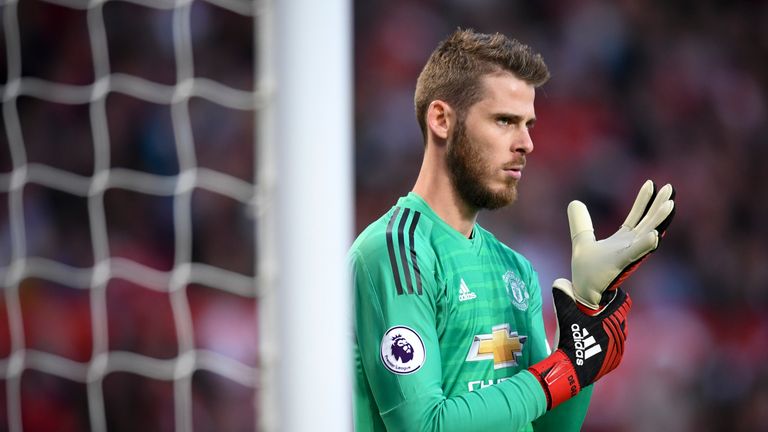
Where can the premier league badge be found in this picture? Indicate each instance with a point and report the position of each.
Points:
(402, 350)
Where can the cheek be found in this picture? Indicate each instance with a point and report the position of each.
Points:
(484, 155)
(487, 146)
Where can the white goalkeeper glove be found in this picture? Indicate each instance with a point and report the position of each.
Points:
(598, 266)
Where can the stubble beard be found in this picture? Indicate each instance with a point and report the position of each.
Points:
(469, 172)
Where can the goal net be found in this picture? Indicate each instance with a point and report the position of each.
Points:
(139, 265)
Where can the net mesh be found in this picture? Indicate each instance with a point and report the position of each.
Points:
(129, 249)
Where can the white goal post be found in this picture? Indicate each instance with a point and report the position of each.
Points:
(313, 216)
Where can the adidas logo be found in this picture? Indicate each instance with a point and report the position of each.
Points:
(585, 344)
(464, 292)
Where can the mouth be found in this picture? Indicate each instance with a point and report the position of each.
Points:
(515, 171)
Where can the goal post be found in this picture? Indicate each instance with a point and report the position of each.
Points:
(313, 213)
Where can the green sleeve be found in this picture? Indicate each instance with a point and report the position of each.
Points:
(569, 415)
(415, 401)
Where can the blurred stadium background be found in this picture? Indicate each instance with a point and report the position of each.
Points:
(674, 91)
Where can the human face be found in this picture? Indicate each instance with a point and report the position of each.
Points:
(487, 149)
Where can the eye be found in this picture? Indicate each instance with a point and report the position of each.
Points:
(503, 121)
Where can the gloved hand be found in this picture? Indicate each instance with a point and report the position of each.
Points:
(588, 346)
(600, 266)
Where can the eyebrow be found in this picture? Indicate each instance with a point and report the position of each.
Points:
(516, 118)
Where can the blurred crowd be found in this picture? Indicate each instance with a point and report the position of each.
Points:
(672, 91)
(57, 45)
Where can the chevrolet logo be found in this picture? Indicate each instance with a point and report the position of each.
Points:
(503, 346)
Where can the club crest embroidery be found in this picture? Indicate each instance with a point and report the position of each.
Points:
(402, 350)
(516, 290)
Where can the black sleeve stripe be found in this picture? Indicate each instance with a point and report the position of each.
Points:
(401, 245)
(391, 250)
(399, 260)
(416, 271)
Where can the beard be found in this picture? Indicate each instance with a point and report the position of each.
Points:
(469, 173)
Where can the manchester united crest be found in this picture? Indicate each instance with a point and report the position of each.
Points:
(516, 290)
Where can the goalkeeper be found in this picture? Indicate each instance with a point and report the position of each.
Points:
(449, 332)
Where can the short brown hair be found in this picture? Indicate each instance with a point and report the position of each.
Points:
(454, 69)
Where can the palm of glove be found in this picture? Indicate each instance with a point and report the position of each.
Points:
(597, 266)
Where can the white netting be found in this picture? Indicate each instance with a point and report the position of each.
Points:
(109, 272)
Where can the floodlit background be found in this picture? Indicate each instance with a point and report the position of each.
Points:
(672, 91)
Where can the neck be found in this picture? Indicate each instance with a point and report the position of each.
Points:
(435, 187)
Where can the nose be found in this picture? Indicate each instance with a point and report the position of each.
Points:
(523, 142)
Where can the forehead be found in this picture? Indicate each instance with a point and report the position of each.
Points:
(503, 92)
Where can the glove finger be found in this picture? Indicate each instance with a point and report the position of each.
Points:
(662, 227)
(641, 205)
(580, 222)
(664, 194)
(562, 297)
(589, 299)
(656, 218)
(565, 286)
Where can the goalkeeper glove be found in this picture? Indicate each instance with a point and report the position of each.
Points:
(589, 346)
(600, 266)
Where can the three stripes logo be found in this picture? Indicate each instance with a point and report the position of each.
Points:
(402, 256)
(585, 344)
(465, 293)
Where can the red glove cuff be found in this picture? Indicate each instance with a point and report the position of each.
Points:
(557, 377)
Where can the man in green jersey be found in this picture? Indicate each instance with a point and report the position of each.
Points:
(449, 332)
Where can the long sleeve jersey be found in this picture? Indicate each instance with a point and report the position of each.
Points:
(445, 328)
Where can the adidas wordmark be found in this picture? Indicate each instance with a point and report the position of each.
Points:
(585, 344)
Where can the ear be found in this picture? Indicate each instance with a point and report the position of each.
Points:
(440, 118)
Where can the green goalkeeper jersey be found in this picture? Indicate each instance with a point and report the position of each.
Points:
(445, 328)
